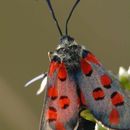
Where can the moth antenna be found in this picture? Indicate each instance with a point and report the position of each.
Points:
(70, 14)
(54, 17)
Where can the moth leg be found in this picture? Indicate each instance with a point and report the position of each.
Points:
(43, 84)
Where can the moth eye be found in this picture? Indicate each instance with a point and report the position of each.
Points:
(84, 53)
(56, 59)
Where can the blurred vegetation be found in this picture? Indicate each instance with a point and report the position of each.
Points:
(124, 77)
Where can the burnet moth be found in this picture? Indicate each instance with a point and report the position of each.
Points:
(77, 80)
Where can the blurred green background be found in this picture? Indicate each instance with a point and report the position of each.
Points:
(27, 33)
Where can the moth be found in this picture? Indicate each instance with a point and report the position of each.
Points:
(77, 80)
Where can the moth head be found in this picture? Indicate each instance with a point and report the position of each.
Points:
(66, 41)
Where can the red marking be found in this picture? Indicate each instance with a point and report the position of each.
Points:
(98, 94)
(106, 81)
(62, 74)
(64, 102)
(90, 57)
(53, 66)
(52, 114)
(52, 92)
(114, 117)
(83, 101)
(86, 67)
(117, 99)
(59, 126)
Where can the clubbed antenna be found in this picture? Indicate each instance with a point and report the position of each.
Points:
(54, 17)
(67, 21)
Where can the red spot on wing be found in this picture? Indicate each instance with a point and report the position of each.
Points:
(86, 67)
(52, 92)
(60, 126)
(98, 94)
(106, 81)
(117, 99)
(90, 57)
(53, 66)
(51, 114)
(64, 102)
(114, 117)
(62, 74)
